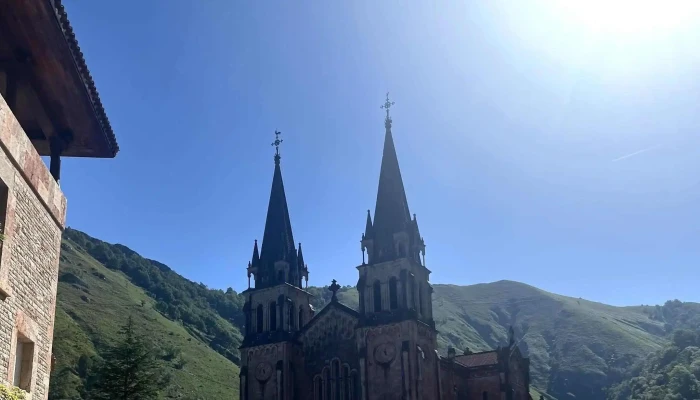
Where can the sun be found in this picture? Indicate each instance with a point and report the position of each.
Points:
(631, 17)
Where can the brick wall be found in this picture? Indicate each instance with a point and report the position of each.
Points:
(29, 256)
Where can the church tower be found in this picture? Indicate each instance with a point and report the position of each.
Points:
(277, 307)
(396, 335)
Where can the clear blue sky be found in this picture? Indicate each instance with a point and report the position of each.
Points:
(535, 144)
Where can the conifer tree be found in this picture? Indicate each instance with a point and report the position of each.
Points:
(130, 370)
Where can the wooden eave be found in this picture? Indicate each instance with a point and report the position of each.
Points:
(56, 70)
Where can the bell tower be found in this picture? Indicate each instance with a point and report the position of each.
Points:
(396, 335)
(276, 307)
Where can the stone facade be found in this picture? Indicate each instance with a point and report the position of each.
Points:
(34, 217)
(49, 107)
(385, 350)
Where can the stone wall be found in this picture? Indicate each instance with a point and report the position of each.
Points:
(29, 256)
(485, 381)
(261, 380)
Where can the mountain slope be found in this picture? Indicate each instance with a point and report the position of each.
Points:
(577, 347)
(94, 301)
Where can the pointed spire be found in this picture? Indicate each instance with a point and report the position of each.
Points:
(391, 214)
(300, 259)
(278, 241)
(256, 255)
(368, 227)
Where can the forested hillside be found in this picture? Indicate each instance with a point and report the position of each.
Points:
(672, 373)
(578, 348)
(198, 348)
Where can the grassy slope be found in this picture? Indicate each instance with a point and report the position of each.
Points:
(83, 326)
(575, 345)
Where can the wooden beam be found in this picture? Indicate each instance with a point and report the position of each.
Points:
(35, 134)
(11, 90)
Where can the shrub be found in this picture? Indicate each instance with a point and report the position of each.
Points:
(11, 393)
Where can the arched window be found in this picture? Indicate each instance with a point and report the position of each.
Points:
(402, 251)
(412, 291)
(346, 383)
(327, 383)
(292, 379)
(301, 317)
(377, 296)
(393, 294)
(336, 379)
(485, 396)
(357, 386)
(291, 316)
(260, 319)
(318, 390)
(420, 299)
(273, 316)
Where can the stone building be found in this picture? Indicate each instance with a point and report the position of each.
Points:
(385, 350)
(48, 107)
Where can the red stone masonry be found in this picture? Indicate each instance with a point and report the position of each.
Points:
(29, 255)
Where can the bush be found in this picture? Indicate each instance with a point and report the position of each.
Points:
(11, 393)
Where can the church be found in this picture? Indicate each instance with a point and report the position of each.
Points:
(387, 349)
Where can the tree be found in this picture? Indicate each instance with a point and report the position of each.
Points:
(101, 252)
(684, 338)
(682, 382)
(130, 370)
(84, 366)
(13, 393)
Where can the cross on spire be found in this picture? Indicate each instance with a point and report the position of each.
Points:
(277, 143)
(387, 105)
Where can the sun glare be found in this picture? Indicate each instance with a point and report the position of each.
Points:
(632, 17)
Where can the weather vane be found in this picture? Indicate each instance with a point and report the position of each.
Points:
(277, 142)
(387, 105)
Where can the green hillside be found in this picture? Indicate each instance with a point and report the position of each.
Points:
(94, 301)
(577, 347)
(672, 373)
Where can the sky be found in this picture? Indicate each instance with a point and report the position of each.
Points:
(554, 146)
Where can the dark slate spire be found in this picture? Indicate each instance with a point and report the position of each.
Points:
(300, 257)
(300, 267)
(256, 255)
(391, 214)
(278, 241)
(368, 227)
(415, 225)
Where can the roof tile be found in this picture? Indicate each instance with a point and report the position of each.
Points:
(478, 359)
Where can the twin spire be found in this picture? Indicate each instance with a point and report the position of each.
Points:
(279, 261)
(392, 234)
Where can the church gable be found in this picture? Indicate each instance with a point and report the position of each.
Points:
(336, 322)
(330, 336)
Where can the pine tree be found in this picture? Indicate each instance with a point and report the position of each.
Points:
(130, 370)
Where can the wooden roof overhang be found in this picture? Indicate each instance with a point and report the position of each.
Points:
(46, 78)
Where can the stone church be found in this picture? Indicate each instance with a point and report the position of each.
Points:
(385, 350)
